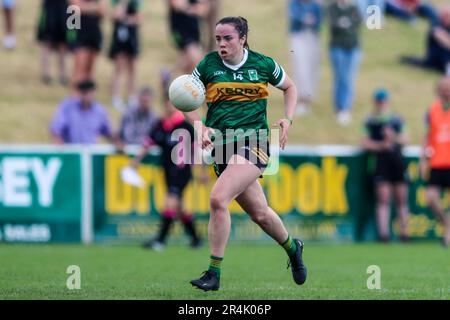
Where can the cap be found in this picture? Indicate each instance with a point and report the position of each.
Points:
(86, 85)
(380, 95)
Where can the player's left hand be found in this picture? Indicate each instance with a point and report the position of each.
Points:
(284, 124)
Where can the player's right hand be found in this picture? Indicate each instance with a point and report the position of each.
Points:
(206, 137)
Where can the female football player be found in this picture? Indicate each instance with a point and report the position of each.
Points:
(235, 79)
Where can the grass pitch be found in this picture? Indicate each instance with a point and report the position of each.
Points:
(414, 271)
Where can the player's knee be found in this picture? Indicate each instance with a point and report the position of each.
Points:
(261, 217)
(383, 202)
(218, 202)
(431, 196)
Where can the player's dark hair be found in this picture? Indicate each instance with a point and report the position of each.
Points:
(240, 25)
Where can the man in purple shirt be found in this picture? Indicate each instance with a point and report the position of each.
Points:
(80, 119)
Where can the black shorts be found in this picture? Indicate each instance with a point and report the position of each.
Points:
(255, 151)
(439, 178)
(125, 40)
(89, 36)
(177, 179)
(390, 167)
(183, 34)
(52, 28)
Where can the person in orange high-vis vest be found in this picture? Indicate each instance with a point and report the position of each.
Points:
(435, 156)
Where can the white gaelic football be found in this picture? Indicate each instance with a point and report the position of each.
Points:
(187, 93)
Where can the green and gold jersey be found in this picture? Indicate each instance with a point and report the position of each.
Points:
(237, 95)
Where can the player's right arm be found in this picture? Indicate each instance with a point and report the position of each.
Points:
(193, 117)
(202, 131)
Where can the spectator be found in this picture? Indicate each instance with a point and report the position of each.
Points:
(138, 120)
(384, 140)
(9, 40)
(52, 35)
(438, 46)
(408, 10)
(87, 41)
(305, 18)
(80, 119)
(184, 16)
(125, 48)
(435, 156)
(345, 22)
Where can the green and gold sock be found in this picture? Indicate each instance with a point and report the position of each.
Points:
(214, 265)
(290, 246)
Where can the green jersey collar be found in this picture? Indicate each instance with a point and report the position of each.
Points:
(240, 64)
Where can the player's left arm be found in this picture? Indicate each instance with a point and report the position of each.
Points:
(397, 131)
(290, 100)
(425, 149)
(279, 79)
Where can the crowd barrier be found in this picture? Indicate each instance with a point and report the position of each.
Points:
(75, 194)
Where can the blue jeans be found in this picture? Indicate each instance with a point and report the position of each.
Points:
(345, 64)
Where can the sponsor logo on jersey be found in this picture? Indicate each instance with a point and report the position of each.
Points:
(219, 73)
(236, 91)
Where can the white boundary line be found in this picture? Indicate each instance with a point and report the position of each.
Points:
(87, 230)
(319, 150)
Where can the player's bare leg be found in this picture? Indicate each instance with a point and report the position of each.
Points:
(254, 202)
(93, 54)
(62, 62)
(433, 195)
(9, 40)
(236, 178)
(383, 192)
(119, 66)
(131, 84)
(447, 225)
(45, 63)
(233, 181)
(81, 61)
(401, 200)
(171, 206)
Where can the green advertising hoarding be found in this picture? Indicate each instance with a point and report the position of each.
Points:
(40, 195)
(321, 193)
(73, 194)
(316, 196)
